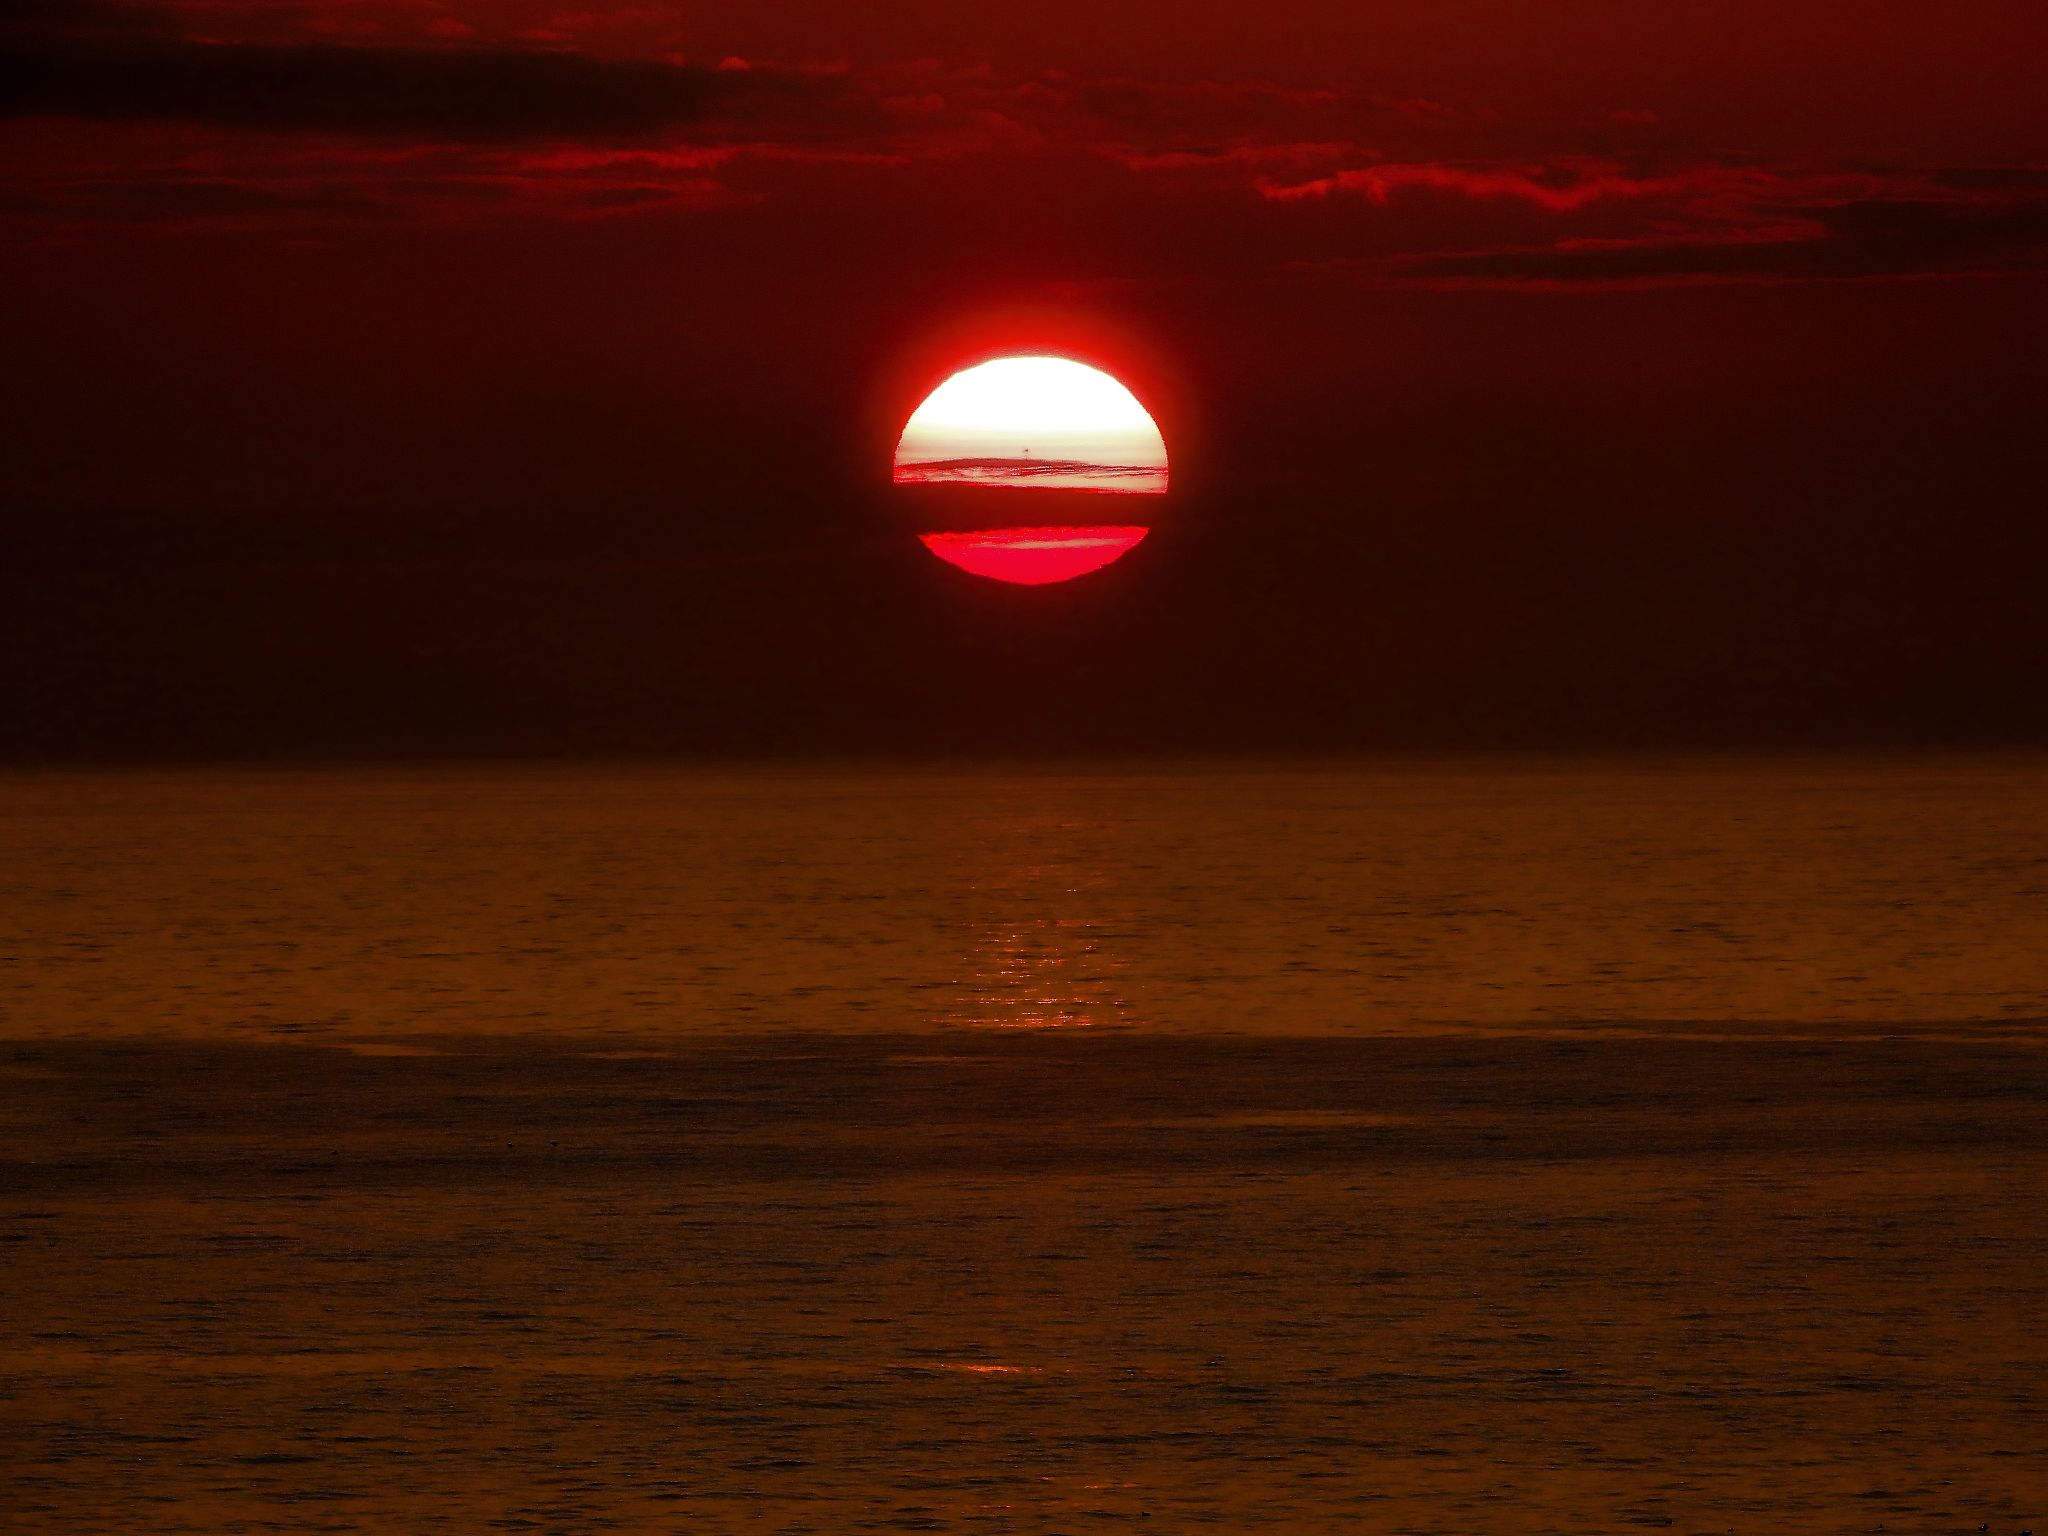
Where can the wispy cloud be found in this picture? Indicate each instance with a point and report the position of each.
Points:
(204, 113)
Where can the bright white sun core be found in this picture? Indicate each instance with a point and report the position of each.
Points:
(1045, 422)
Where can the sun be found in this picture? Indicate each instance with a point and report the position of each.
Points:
(1031, 469)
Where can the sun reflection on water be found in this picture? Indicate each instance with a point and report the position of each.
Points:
(1039, 973)
(1037, 922)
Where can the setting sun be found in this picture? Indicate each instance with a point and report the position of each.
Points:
(1049, 429)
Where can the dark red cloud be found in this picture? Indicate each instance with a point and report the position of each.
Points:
(198, 126)
(463, 93)
(1870, 238)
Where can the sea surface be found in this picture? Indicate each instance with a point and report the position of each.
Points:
(1388, 1147)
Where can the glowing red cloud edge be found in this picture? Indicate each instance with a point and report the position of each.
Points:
(1033, 557)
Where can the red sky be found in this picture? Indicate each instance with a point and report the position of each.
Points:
(415, 376)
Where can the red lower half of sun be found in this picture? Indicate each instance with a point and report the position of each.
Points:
(1031, 557)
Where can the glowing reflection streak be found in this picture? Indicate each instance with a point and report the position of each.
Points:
(1045, 973)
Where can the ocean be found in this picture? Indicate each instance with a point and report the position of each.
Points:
(1415, 1146)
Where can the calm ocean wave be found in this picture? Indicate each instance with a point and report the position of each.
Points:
(1025, 1281)
(1372, 900)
